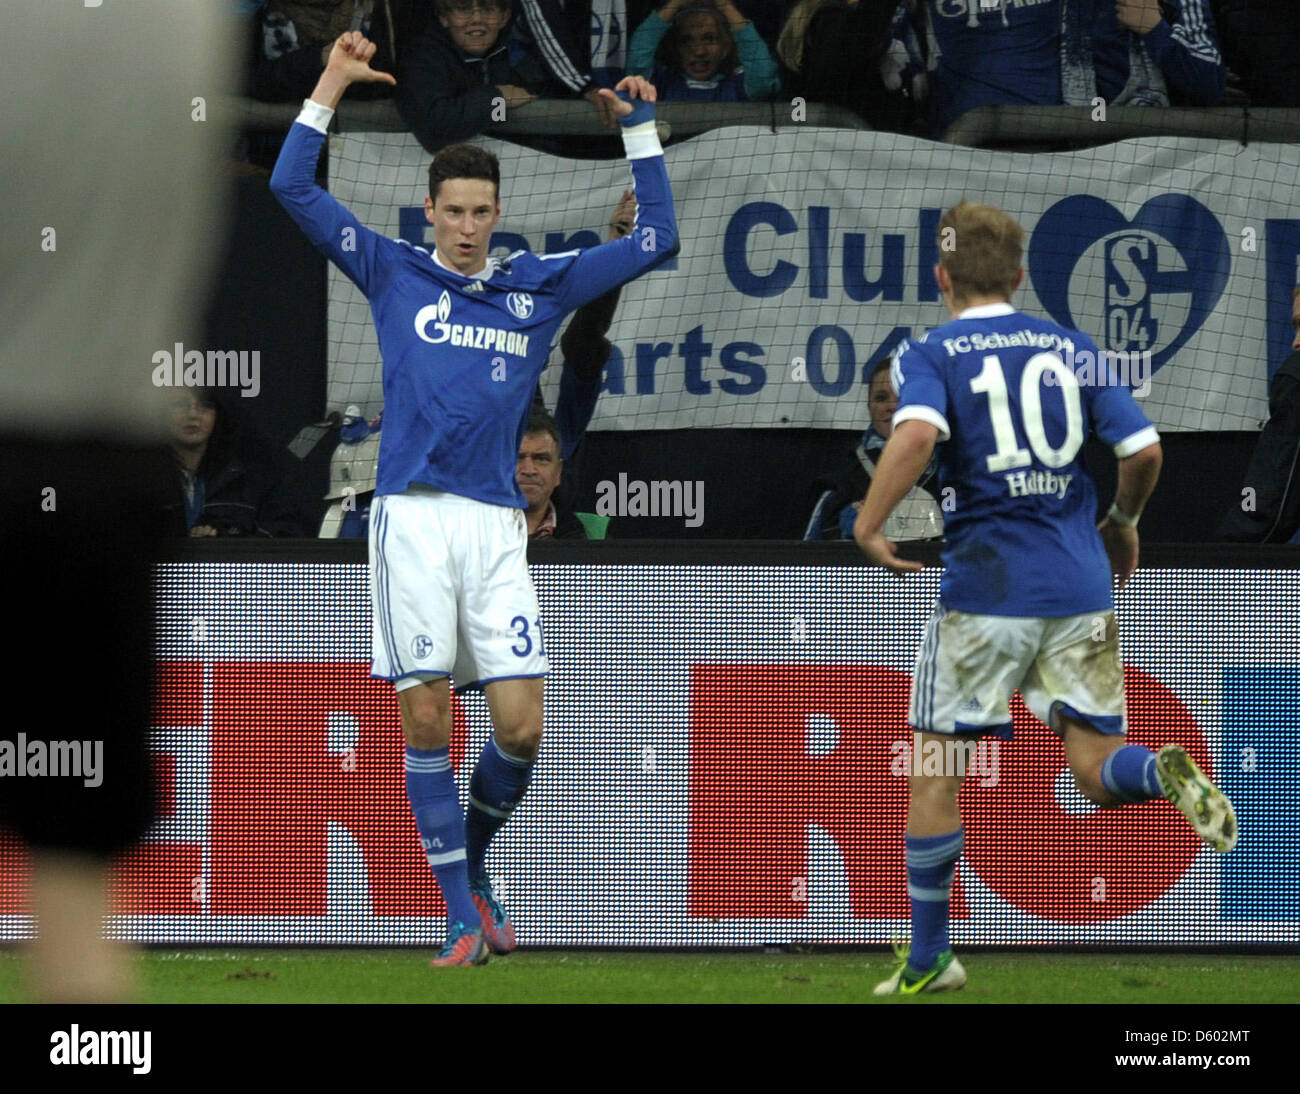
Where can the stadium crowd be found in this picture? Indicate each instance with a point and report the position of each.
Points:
(910, 66)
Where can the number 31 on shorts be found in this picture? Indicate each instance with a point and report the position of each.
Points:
(522, 630)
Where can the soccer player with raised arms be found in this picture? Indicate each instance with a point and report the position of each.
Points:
(464, 338)
(1025, 601)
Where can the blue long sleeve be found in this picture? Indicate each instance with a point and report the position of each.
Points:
(654, 240)
(1187, 54)
(347, 242)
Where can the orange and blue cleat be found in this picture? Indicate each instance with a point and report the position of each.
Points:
(498, 930)
(464, 946)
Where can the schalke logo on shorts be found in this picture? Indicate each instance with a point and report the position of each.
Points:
(520, 305)
(1140, 285)
(421, 646)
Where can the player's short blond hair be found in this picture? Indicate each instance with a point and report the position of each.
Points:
(983, 250)
(1295, 293)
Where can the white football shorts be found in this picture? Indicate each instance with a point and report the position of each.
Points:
(450, 591)
(969, 666)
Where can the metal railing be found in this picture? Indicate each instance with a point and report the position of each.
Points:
(560, 117)
(1008, 127)
(1078, 126)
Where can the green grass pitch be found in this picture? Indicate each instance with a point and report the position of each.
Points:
(404, 976)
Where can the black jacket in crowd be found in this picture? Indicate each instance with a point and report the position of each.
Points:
(1260, 41)
(1274, 470)
(567, 525)
(445, 95)
(247, 486)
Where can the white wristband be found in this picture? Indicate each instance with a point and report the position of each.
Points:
(1117, 516)
(640, 142)
(317, 115)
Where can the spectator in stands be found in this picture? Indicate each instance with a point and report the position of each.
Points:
(1261, 41)
(463, 71)
(917, 516)
(581, 43)
(227, 482)
(1269, 508)
(538, 474)
(836, 52)
(693, 51)
(292, 40)
(1177, 35)
(1062, 52)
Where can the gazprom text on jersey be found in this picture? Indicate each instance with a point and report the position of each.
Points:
(470, 337)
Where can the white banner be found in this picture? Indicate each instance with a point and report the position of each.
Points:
(807, 255)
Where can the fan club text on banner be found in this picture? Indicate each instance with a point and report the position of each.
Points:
(802, 269)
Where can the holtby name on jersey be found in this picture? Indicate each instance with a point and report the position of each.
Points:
(1023, 483)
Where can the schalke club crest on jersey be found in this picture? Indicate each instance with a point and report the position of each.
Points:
(520, 305)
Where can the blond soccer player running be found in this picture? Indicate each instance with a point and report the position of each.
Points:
(1026, 598)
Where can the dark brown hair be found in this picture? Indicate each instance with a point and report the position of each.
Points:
(464, 161)
(540, 421)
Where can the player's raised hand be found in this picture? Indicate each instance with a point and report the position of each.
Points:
(635, 87)
(350, 60)
(1121, 543)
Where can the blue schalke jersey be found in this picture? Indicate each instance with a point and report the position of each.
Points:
(462, 355)
(1014, 399)
(1008, 51)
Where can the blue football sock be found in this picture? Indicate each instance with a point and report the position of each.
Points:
(431, 789)
(1129, 773)
(495, 788)
(930, 862)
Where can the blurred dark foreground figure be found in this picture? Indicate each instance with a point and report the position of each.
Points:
(109, 226)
